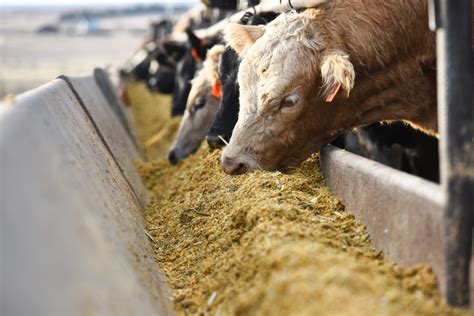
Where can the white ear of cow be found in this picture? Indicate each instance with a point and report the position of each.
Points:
(337, 73)
(242, 37)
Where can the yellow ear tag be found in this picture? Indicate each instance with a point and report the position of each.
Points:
(333, 94)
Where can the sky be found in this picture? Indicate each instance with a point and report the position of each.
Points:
(62, 3)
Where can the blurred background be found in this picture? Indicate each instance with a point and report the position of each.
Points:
(40, 40)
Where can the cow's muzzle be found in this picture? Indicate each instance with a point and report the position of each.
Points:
(233, 166)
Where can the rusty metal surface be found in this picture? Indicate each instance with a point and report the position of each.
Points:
(72, 236)
(403, 213)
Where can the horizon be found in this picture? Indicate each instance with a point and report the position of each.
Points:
(55, 4)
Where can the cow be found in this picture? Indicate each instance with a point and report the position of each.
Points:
(162, 68)
(396, 145)
(201, 108)
(139, 64)
(186, 69)
(163, 55)
(162, 79)
(227, 115)
(169, 66)
(199, 16)
(164, 60)
(307, 77)
(161, 28)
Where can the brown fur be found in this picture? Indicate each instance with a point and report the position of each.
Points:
(381, 52)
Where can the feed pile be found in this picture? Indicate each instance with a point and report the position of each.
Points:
(265, 243)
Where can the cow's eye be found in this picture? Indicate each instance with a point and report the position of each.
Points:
(289, 101)
(199, 105)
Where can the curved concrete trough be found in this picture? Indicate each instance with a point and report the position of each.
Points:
(403, 213)
(72, 234)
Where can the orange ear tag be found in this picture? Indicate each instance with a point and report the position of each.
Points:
(216, 89)
(196, 55)
(333, 94)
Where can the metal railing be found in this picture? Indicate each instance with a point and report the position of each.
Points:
(452, 21)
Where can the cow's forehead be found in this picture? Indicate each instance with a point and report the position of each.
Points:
(200, 87)
(291, 25)
(292, 35)
(277, 63)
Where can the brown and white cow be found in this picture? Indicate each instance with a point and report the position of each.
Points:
(201, 108)
(307, 77)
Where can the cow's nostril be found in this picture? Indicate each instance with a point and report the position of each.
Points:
(172, 158)
(233, 167)
(241, 169)
(215, 142)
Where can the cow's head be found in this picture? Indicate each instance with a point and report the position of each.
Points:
(187, 67)
(201, 108)
(227, 116)
(228, 112)
(290, 83)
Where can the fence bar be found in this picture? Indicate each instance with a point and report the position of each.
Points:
(456, 117)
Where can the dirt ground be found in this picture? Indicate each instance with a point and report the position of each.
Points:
(266, 243)
(28, 59)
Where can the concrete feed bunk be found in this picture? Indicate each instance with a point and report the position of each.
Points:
(72, 231)
(74, 239)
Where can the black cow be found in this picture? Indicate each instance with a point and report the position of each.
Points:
(228, 113)
(161, 29)
(164, 55)
(396, 145)
(141, 62)
(143, 57)
(182, 83)
(228, 68)
(168, 67)
(164, 61)
(186, 69)
(162, 80)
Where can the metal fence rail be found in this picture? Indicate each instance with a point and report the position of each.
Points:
(425, 222)
(456, 117)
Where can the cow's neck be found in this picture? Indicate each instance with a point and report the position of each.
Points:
(375, 34)
(404, 91)
(394, 60)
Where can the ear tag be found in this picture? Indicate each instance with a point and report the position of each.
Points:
(196, 55)
(333, 94)
(216, 89)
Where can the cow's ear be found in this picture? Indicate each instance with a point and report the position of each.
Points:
(198, 48)
(337, 74)
(242, 37)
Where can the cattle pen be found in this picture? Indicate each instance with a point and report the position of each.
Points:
(80, 231)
